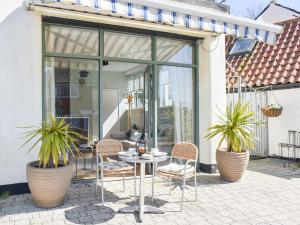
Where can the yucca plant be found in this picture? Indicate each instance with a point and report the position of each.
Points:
(235, 127)
(57, 139)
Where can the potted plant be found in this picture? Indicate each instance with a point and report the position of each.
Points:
(236, 129)
(49, 178)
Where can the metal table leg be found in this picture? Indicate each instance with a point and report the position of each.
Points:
(141, 208)
(142, 185)
(153, 177)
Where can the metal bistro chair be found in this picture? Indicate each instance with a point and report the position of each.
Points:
(108, 148)
(297, 147)
(181, 151)
(291, 143)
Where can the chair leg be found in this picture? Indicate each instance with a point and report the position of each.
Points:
(196, 194)
(134, 181)
(280, 150)
(123, 182)
(182, 195)
(97, 177)
(102, 188)
(170, 185)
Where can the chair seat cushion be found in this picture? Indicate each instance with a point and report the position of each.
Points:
(128, 144)
(115, 166)
(175, 168)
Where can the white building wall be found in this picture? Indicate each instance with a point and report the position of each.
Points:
(212, 93)
(289, 120)
(20, 86)
(275, 14)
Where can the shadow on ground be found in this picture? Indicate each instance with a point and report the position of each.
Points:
(89, 214)
(285, 169)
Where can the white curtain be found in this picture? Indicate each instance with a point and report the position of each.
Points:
(181, 80)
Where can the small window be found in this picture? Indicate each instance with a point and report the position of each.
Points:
(129, 46)
(175, 51)
(242, 46)
(71, 40)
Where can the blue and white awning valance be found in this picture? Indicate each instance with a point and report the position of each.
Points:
(178, 14)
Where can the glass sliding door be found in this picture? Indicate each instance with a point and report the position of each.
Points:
(176, 92)
(125, 87)
(175, 106)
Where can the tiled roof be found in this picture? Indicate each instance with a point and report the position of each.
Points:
(269, 65)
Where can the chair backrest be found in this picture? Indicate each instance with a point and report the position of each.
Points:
(298, 140)
(185, 151)
(109, 147)
(292, 137)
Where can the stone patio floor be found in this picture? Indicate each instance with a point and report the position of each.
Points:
(269, 193)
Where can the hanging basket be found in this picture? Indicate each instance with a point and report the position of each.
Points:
(272, 111)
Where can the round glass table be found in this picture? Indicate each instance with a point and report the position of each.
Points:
(141, 208)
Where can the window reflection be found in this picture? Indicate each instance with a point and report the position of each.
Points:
(71, 40)
(130, 46)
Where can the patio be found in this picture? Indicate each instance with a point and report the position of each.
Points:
(268, 194)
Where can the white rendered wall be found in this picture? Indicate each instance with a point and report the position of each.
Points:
(289, 120)
(20, 86)
(212, 92)
(275, 14)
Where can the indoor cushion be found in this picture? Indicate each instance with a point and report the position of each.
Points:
(176, 168)
(135, 135)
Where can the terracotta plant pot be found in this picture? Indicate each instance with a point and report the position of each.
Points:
(232, 165)
(48, 186)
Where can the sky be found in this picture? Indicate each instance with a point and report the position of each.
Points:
(239, 7)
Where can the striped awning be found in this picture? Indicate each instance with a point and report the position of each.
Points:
(170, 13)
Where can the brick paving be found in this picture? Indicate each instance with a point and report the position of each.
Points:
(268, 194)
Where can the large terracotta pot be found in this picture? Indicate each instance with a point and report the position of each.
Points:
(232, 165)
(49, 186)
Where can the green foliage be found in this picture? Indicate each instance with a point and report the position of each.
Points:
(4, 195)
(235, 127)
(272, 106)
(57, 139)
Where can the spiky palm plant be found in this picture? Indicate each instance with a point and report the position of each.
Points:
(57, 139)
(235, 127)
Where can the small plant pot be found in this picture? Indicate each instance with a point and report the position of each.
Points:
(48, 186)
(232, 165)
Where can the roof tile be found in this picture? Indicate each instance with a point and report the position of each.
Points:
(270, 65)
